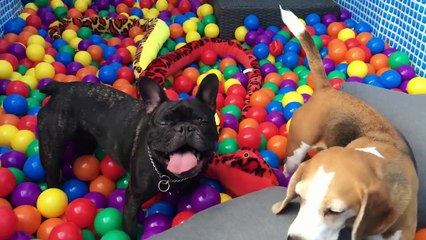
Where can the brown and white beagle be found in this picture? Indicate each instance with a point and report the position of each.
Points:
(363, 178)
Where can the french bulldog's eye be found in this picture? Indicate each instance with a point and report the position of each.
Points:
(163, 123)
(202, 121)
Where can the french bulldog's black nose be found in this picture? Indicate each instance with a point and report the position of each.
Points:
(185, 129)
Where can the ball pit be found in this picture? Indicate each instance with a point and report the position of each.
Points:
(90, 202)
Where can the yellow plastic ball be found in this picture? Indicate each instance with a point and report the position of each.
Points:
(162, 5)
(224, 197)
(357, 68)
(305, 89)
(74, 42)
(417, 85)
(56, 3)
(189, 26)
(68, 35)
(30, 81)
(179, 45)
(15, 76)
(21, 140)
(192, 36)
(44, 70)
(83, 57)
(211, 30)
(48, 58)
(89, 2)
(37, 39)
(35, 52)
(31, 5)
(194, 19)
(7, 132)
(271, 58)
(228, 83)
(132, 50)
(6, 69)
(81, 5)
(346, 34)
(152, 13)
(240, 33)
(30, 72)
(287, 126)
(138, 37)
(52, 202)
(292, 97)
(24, 15)
(302, 21)
(204, 10)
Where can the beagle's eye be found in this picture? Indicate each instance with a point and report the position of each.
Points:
(332, 212)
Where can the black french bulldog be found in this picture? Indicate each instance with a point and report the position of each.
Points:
(161, 143)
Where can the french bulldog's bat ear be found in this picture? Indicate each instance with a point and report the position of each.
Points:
(207, 92)
(152, 93)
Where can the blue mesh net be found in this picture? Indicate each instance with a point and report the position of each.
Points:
(9, 9)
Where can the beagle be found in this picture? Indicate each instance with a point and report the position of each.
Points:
(363, 178)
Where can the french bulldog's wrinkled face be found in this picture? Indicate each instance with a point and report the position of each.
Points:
(182, 134)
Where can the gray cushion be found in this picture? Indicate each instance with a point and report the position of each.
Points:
(250, 217)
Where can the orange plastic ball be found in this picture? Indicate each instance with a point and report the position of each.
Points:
(364, 37)
(47, 226)
(114, 41)
(122, 8)
(290, 75)
(135, 31)
(103, 185)
(23, 37)
(248, 123)
(176, 31)
(11, 37)
(227, 62)
(371, 69)
(421, 234)
(5, 203)
(334, 28)
(354, 54)
(274, 78)
(379, 61)
(337, 50)
(29, 218)
(96, 52)
(86, 167)
(227, 133)
(278, 145)
(380, 71)
(260, 99)
(8, 118)
(74, 13)
(191, 73)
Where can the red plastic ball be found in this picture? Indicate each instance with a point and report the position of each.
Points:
(249, 137)
(184, 6)
(172, 95)
(325, 39)
(11, 59)
(352, 42)
(28, 122)
(234, 99)
(183, 84)
(310, 30)
(367, 52)
(82, 212)
(182, 217)
(33, 20)
(8, 223)
(66, 231)
(4, 45)
(59, 67)
(111, 169)
(283, 130)
(7, 182)
(276, 48)
(336, 82)
(127, 42)
(18, 87)
(145, 4)
(220, 101)
(208, 57)
(238, 90)
(152, 201)
(129, 3)
(268, 129)
(125, 55)
(51, 51)
(257, 113)
(126, 73)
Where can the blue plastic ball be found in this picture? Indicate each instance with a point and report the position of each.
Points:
(116, 65)
(371, 78)
(180, 19)
(33, 169)
(189, 15)
(75, 188)
(362, 27)
(214, 184)
(290, 59)
(285, 90)
(292, 46)
(280, 38)
(108, 51)
(34, 111)
(320, 29)
(273, 28)
(42, 33)
(58, 43)
(274, 106)
(180, 40)
(376, 84)
(312, 19)
(64, 58)
(15, 25)
(162, 207)
(96, 39)
(183, 96)
(261, 51)
(342, 67)
(376, 45)
(270, 158)
(290, 108)
(323, 52)
(390, 79)
(350, 23)
(107, 74)
(137, 12)
(4, 149)
(15, 104)
(251, 22)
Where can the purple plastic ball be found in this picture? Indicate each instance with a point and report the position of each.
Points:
(157, 220)
(406, 71)
(114, 58)
(141, 216)
(25, 193)
(403, 85)
(73, 67)
(305, 97)
(43, 82)
(195, 4)
(230, 121)
(69, 153)
(21, 235)
(117, 198)
(276, 117)
(164, 15)
(269, 33)
(355, 79)
(251, 37)
(328, 18)
(48, 18)
(3, 86)
(263, 38)
(344, 14)
(91, 79)
(241, 77)
(67, 170)
(102, 4)
(203, 197)
(280, 177)
(288, 83)
(389, 51)
(112, 14)
(98, 199)
(172, 197)
(17, 49)
(13, 158)
(114, 2)
(84, 44)
(150, 232)
(184, 204)
(329, 65)
(267, 68)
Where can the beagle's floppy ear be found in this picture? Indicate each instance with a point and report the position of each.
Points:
(376, 213)
(291, 190)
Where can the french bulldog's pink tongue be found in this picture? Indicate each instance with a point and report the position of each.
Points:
(181, 162)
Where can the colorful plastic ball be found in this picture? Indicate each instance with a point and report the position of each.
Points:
(82, 212)
(15, 104)
(227, 146)
(406, 71)
(7, 132)
(182, 217)
(346, 34)
(115, 234)
(289, 59)
(208, 57)
(35, 52)
(277, 144)
(102, 184)
(240, 33)
(290, 108)
(390, 79)
(116, 199)
(66, 231)
(211, 30)
(357, 68)
(21, 235)
(249, 137)
(271, 158)
(33, 169)
(9, 223)
(7, 182)
(83, 57)
(276, 117)
(203, 197)
(261, 51)
(233, 110)
(376, 45)
(47, 226)
(7, 69)
(362, 27)
(107, 74)
(192, 36)
(274, 106)
(292, 97)
(100, 200)
(417, 85)
(111, 169)
(52, 202)
(108, 219)
(74, 189)
(25, 193)
(157, 220)
(150, 232)
(21, 140)
(162, 207)
(251, 22)
(19, 175)
(398, 59)
(29, 218)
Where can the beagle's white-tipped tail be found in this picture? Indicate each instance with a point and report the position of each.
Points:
(292, 22)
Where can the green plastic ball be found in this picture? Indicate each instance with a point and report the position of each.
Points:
(279, 65)
(228, 145)
(336, 74)
(42, 185)
(285, 33)
(32, 102)
(115, 234)
(216, 65)
(278, 97)
(204, 69)
(41, 3)
(95, 64)
(168, 83)
(302, 82)
(32, 148)
(232, 109)
(209, 19)
(299, 69)
(170, 44)
(36, 94)
(60, 12)
(123, 182)
(200, 28)
(68, 49)
(304, 75)
(22, 69)
(88, 235)
(19, 175)
(2, 97)
(99, 153)
(111, 8)
(103, 13)
(318, 42)
(263, 62)
(84, 32)
(163, 51)
(263, 143)
(398, 59)
(229, 71)
(246, 46)
(108, 219)
(271, 86)
(107, 35)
